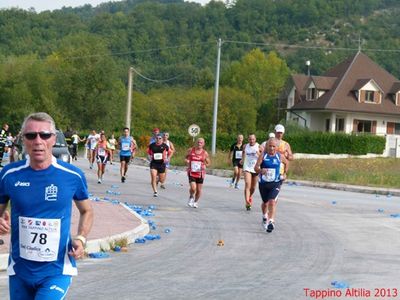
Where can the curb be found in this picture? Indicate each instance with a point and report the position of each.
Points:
(347, 187)
(103, 243)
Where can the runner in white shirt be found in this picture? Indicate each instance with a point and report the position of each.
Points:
(91, 143)
(251, 151)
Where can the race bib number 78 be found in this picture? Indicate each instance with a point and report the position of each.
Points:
(39, 239)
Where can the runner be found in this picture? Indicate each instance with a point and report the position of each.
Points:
(251, 151)
(102, 156)
(283, 146)
(171, 147)
(157, 154)
(3, 140)
(197, 159)
(75, 141)
(270, 180)
(40, 190)
(235, 155)
(91, 143)
(156, 132)
(127, 147)
(111, 144)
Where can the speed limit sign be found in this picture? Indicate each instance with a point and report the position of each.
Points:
(194, 130)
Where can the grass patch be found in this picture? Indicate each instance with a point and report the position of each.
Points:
(121, 242)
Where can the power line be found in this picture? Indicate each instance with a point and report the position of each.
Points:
(310, 47)
(155, 80)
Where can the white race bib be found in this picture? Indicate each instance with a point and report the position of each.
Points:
(158, 156)
(195, 166)
(125, 146)
(269, 176)
(39, 239)
(102, 152)
(238, 154)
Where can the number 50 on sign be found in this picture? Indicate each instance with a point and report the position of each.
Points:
(194, 130)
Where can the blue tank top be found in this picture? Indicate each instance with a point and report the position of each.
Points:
(272, 163)
(125, 146)
(41, 205)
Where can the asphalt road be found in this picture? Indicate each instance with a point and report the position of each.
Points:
(321, 236)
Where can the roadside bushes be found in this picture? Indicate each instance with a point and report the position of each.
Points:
(338, 143)
(301, 142)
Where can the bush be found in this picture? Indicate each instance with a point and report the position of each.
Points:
(338, 143)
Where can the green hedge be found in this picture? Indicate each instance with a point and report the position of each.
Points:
(338, 143)
(301, 142)
(307, 142)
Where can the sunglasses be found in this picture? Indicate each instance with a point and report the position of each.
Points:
(44, 135)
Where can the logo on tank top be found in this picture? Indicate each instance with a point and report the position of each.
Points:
(50, 193)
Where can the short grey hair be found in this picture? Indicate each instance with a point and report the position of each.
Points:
(42, 117)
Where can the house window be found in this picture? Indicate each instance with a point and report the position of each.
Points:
(311, 94)
(364, 126)
(369, 96)
(339, 124)
(397, 128)
(327, 125)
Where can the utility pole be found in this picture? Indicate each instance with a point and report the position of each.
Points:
(216, 91)
(129, 100)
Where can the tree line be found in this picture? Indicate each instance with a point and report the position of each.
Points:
(73, 62)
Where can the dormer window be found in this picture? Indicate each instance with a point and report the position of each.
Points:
(311, 93)
(368, 91)
(369, 96)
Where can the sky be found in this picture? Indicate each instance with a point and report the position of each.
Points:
(41, 5)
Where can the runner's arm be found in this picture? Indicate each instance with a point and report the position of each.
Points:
(289, 155)
(84, 227)
(207, 160)
(171, 149)
(257, 166)
(5, 223)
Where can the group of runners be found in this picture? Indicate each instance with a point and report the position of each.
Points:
(266, 164)
(102, 150)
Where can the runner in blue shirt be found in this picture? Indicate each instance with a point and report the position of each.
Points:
(268, 166)
(40, 190)
(127, 148)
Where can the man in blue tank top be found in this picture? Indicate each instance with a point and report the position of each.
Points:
(127, 147)
(40, 190)
(270, 179)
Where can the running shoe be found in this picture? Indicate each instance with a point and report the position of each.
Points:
(271, 226)
(99, 181)
(265, 223)
(162, 186)
(248, 207)
(123, 179)
(236, 186)
(155, 194)
(190, 202)
(195, 205)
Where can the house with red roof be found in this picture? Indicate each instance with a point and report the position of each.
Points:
(356, 96)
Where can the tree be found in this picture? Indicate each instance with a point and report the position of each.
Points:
(262, 77)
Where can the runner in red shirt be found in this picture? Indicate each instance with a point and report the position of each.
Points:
(197, 160)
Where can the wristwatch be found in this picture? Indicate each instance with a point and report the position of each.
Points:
(82, 239)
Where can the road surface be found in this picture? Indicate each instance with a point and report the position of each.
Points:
(321, 237)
